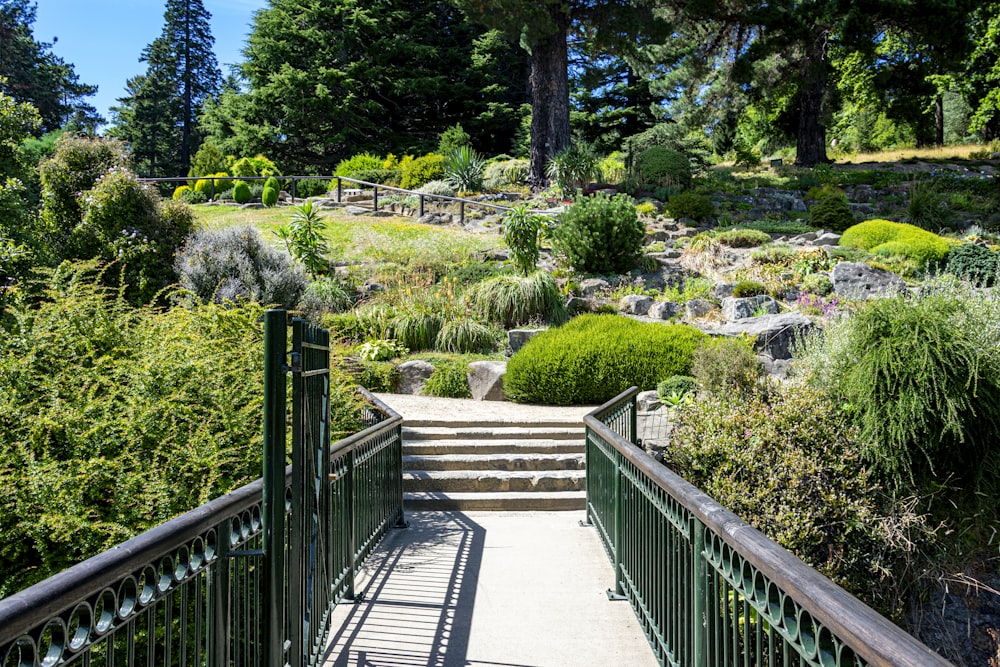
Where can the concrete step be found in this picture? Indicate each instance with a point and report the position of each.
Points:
(496, 502)
(479, 432)
(442, 446)
(499, 461)
(493, 480)
(573, 424)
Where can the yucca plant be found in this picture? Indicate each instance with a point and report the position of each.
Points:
(463, 170)
(574, 167)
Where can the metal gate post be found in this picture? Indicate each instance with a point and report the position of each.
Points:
(275, 346)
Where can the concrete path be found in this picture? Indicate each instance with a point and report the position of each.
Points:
(465, 410)
(488, 589)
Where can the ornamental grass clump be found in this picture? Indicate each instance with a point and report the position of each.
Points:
(594, 357)
(510, 301)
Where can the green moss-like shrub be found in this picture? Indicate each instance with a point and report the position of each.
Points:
(658, 166)
(599, 234)
(975, 263)
(422, 170)
(380, 176)
(646, 209)
(690, 205)
(510, 301)
(222, 182)
(774, 253)
(831, 211)
(269, 196)
(241, 192)
(747, 288)
(905, 240)
(449, 380)
(594, 357)
(204, 187)
(272, 182)
(817, 283)
(180, 192)
(357, 163)
(254, 166)
(743, 238)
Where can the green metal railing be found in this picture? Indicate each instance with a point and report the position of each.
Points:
(246, 579)
(709, 589)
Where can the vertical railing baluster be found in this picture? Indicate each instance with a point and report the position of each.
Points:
(698, 588)
(273, 508)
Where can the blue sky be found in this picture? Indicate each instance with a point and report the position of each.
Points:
(103, 38)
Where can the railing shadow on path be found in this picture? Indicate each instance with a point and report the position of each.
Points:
(422, 613)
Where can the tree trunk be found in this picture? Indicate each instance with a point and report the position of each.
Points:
(938, 120)
(549, 61)
(188, 111)
(810, 148)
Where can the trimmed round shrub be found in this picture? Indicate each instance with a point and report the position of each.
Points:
(975, 263)
(272, 182)
(510, 301)
(269, 196)
(222, 182)
(180, 192)
(203, 186)
(690, 205)
(599, 234)
(659, 166)
(831, 211)
(592, 358)
(676, 385)
(726, 366)
(357, 163)
(449, 380)
(898, 238)
(422, 170)
(747, 288)
(235, 265)
(743, 238)
(241, 192)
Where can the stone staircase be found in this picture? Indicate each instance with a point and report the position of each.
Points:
(493, 465)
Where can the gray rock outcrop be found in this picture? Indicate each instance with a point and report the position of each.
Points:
(486, 380)
(775, 334)
(855, 280)
(413, 376)
(738, 308)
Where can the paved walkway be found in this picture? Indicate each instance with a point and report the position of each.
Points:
(488, 589)
(431, 408)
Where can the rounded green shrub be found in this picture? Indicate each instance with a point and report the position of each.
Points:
(180, 192)
(594, 357)
(676, 385)
(743, 238)
(646, 209)
(437, 188)
(357, 163)
(599, 234)
(380, 176)
(241, 192)
(449, 380)
(975, 263)
(747, 288)
(817, 283)
(269, 196)
(726, 366)
(690, 205)
(254, 166)
(831, 211)
(659, 166)
(505, 173)
(510, 301)
(222, 182)
(204, 187)
(272, 183)
(898, 238)
(422, 170)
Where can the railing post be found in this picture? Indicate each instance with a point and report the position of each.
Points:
(633, 435)
(351, 528)
(619, 530)
(340, 189)
(421, 198)
(293, 189)
(273, 510)
(461, 212)
(212, 189)
(219, 605)
(699, 587)
(375, 202)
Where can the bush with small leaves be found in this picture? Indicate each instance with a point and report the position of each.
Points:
(676, 385)
(521, 231)
(690, 205)
(235, 265)
(311, 187)
(594, 357)
(896, 238)
(422, 170)
(658, 166)
(358, 163)
(241, 192)
(743, 238)
(269, 196)
(449, 380)
(437, 188)
(748, 288)
(599, 234)
(254, 166)
(817, 283)
(831, 211)
(180, 192)
(726, 366)
(975, 263)
(205, 188)
(505, 173)
(646, 209)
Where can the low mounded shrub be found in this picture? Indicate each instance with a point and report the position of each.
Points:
(817, 283)
(269, 196)
(659, 166)
(510, 301)
(437, 188)
(505, 173)
(898, 238)
(594, 357)
(690, 205)
(747, 288)
(235, 265)
(357, 163)
(421, 170)
(599, 234)
(379, 176)
(241, 192)
(180, 192)
(313, 187)
(254, 166)
(204, 187)
(272, 182)
(743, 238)
(975, 263)
(448, 380)
(676, 385)
(831, 211)
(726, 366)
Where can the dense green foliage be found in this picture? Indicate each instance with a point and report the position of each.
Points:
(521, 231)
(304, 239)
(921, 377)
(747, 288)
(831, 211)
(463, 169)
(422, 170)
(594, 357)
(241, 192)
(896, 238)
(743, 238)
(599, 234)
(269, 196)
(117, 419)
(466, 335)
(448, 381)
(661, 167)
(975, 263)
(726, 366)
(355, 164)
(690, 205)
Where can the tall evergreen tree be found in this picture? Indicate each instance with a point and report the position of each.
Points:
(158, 115)
(34, 74)
(324, 80)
